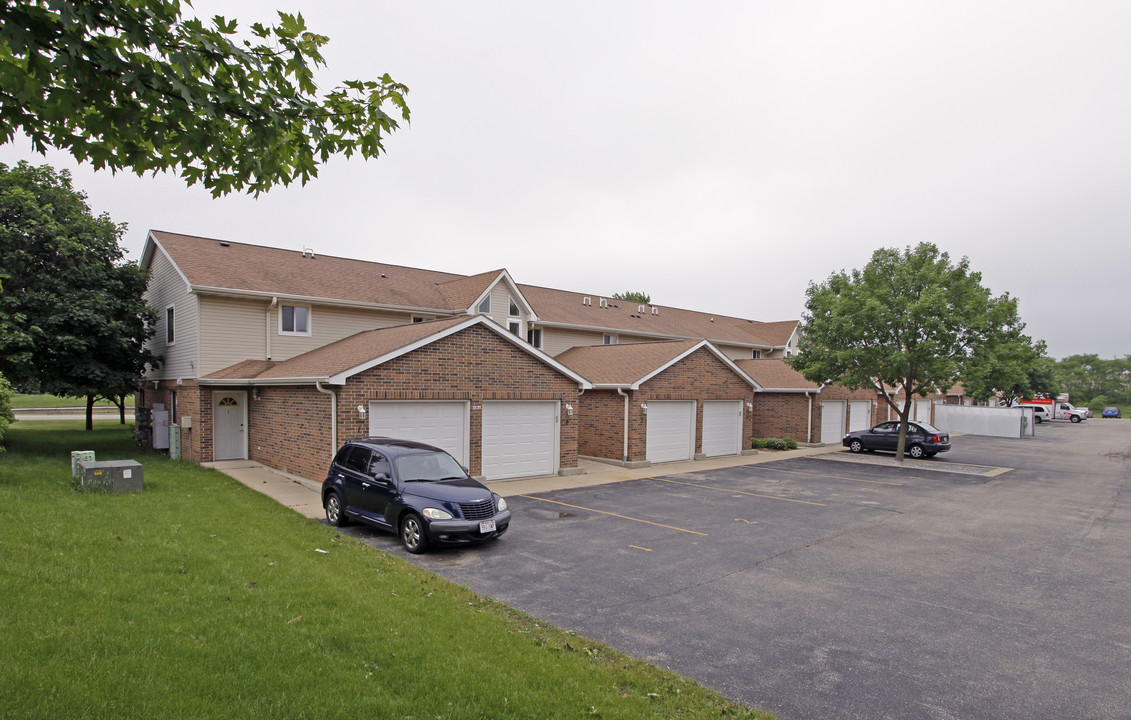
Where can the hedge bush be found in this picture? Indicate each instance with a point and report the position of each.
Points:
(774, 444)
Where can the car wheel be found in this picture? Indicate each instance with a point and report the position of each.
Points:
(856, 446)
(916, 451)
(1075, 418)
(335, 514)
(1038, 419)
(413, 535)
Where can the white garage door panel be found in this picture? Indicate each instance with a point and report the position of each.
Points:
(923, 410)
(832, 422)
(443, 424)
(859, 415)
(722, 428)
(671, 431)
(520, 439)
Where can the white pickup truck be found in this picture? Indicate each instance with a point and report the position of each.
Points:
(1057, 410)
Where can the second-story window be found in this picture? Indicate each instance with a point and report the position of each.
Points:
(294, 320)
(485, 306)
(610, 339)
(170, 334)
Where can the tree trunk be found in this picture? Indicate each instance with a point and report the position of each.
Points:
(122, 409)
(89, 412)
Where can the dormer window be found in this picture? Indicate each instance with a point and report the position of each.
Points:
(610, 340)
(755, 354)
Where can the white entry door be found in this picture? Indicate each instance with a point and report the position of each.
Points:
(520, 439)
(671, 431)
(443, 424)
(722, 427)
(832, 421)
(859, 415)
(229, 425)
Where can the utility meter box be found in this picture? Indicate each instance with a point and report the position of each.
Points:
(115, 476)
(78, 456)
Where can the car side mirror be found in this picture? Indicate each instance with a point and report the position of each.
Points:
(382, 476)
(465, 470)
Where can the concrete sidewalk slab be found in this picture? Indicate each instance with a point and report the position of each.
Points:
(304, 496)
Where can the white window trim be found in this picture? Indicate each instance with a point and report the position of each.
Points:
(531, 332)
(511, 304)
(484, 310)
(171, 328)
(610, 340)
(309, 321)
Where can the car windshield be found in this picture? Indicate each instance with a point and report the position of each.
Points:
(428, 467)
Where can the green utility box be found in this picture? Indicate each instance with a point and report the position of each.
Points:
(116, 476)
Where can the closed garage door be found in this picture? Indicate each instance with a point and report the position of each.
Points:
(859, 415)
(671, 431)
(923, 410)
(722, 428)
(443, 424)
(519, 439)
(832, 422)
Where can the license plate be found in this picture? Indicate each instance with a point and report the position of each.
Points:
(487, 526)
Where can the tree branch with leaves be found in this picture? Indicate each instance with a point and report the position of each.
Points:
(136, 85)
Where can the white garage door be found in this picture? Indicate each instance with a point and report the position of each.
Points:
(722, 427)
(519, 439)
(671, 431)
(832, 422)
(443, 424)
(859, 415)
(922, 411)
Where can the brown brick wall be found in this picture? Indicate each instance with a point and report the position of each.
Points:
(192, 401)
(783, 415)
(289, 429)
(474, 365)
(701, 376)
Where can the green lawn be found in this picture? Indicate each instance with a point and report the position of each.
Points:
(20, 402)
(200, 598)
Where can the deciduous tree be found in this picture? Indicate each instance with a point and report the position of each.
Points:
(911, 319)
(136, 85)
(72, 318)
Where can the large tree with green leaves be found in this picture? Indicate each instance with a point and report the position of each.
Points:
(1014, 368)
(72, 318)
(911, 320)
(134, 84)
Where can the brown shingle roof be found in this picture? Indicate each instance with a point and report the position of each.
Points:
(624, 316)
(271, 271)
(233, 266)
(775, 374)
(622, 364)
(337, 357)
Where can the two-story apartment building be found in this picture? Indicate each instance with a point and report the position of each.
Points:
(278, 355)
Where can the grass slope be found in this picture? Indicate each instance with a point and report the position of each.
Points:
(201, 598)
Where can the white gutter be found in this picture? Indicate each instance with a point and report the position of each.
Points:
(267, 325)
(333, 418)
(620, 391)
(312, 300)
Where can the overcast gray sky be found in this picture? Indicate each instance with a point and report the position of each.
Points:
(717, 155)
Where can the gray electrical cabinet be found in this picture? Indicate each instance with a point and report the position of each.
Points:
(116, 476)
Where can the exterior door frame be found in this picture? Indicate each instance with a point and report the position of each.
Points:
(217, 398)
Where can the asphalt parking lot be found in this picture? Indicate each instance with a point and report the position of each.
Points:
(817, 588)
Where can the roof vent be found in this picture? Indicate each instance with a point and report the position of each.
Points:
(306, 250)
(639, 308)
(225, 244)
(655, 310)
(604, 303)
(384, 275)
(586, 300)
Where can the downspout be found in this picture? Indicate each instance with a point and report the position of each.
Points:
(267, 325)
(620, 391)
(333, 417)
(809, 421)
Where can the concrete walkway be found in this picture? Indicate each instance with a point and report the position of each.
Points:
(304, 495)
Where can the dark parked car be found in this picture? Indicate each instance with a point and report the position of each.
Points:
(923, 440)
(1111, 412)
(415, 490)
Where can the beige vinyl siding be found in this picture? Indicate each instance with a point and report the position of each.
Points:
(167, 287)
(557, 340)
(237, 329)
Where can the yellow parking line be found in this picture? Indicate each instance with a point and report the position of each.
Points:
(740, 492)
(637, 547)
(623, 517)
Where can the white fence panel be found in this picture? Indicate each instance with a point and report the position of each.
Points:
(1008, 422)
